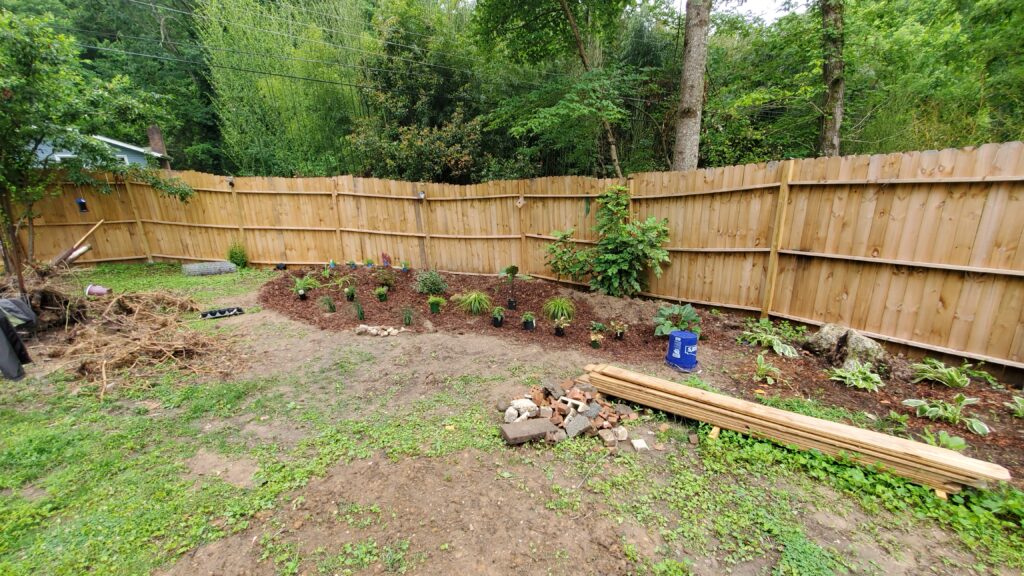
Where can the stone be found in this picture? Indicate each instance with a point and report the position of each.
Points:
(592, 410)
(362, 329)
(659, 446)
(501, 405)
(826, 340)
(393, 332)
(561, 408)
(621, 434)
(608, 437)
(372, 331)
(523, 416)
(510, 415)
(525, 431)
(864, 350)
(578, 424)
(554, 390)
(623, 410)
(584, 387)
(546, 411)
(556, 419)
(523, 405)
(694, 439)
(556, 436)
(639, 444)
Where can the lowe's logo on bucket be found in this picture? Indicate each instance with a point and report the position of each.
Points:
(682, 350)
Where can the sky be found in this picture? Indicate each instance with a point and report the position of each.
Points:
(770, 10)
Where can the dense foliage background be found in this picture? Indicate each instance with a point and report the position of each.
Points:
(464, 92)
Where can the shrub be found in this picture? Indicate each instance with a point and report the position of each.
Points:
(935, 371)
(625, 249)
(430, 282)
(764, 333)
(385, 277)
(676, 317)
(559, 307)
(859, 376)
(237, 255)
(474, 302)
(951, 412)
(327, 303)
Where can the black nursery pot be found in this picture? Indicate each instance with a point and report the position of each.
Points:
(497, 322)
(529, 325)
(350, 297)
(620, 335)
(303, 295)
(559, 331)
(511, 304)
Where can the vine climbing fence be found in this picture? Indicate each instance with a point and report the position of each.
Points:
(918, 248)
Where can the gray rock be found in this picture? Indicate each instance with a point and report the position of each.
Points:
(556, 436)
(523, 405)
(521, 432)
(826, 340)
(501, 405)
(577, 424)
(584, 387)
(623, 410)
(362, 329)
(621, 434)
(863, 349)
(510, 415)
(208, 268)
(554, 390)
(546, 411)
(593, 410)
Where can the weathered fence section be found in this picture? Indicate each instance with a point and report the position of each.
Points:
(918, 248)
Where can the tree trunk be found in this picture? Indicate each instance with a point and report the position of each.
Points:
(832, 70)
(11, 241)
(613, 148)
(691, 86)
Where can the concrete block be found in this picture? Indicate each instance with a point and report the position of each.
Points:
(578, 424)
(639, 444)
(527, 430)
(608, 437)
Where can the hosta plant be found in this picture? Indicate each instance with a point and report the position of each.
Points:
(943, 440)
(676, 317)
(951, 412)
(859, 375)
(935, 371)
(764, 371)
(764, 333)
(1016, 407)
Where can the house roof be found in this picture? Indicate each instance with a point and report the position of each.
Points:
(139, 149)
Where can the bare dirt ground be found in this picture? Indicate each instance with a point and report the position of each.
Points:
(475, 512)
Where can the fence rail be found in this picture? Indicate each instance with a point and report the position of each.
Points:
(918, 248)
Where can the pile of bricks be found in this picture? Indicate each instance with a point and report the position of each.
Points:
(555, 412)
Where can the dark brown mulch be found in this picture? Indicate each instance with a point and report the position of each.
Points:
(729, 365)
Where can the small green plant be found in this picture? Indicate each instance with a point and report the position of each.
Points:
(529, 320)
(598, 327)
(431, 282)
(475, 302)
(764, 333)
(976, 373)
(943, 440)
(1016, 406)
(509, 274)
(326, 273)
(406, 316)
(351, 264)
(894, 423)
(327, 303)
(498, 313)
(405, 265)
(350, 293)
(935, 371)
(764, 371)
(381, 292)
(237, 254)
(358, 309)
(435, 303)
(385, 277)
(559, 307)
(618, 327)
(343, 282)
(368, 263)
(305, 284)
(676, 317)
(561, 322)
(951, 412)
(595, 339)
(860, 376)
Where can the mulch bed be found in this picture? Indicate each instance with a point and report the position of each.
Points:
(802, 377)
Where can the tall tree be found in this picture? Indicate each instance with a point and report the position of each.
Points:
(691, 89)
(832, 68)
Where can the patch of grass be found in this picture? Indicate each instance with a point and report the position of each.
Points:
(358, 555)
(811, 407)
(165, 276)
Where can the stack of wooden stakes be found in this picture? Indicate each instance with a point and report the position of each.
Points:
(944, 470)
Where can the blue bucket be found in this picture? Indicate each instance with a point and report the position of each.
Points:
(682, 350)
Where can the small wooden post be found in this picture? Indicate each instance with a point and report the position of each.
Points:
(772, 273)
(521, 206)
(337, 214)
(138, 221)
(715, 431)
(421, 227)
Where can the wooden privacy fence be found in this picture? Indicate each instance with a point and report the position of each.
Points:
(917, 248)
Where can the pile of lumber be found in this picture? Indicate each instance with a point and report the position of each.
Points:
(938, 468)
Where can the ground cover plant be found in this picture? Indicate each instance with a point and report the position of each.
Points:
(111, 485)
(779, 337)
(859, 375)
(934, 370)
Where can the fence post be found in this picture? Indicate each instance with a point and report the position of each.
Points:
(772, 273)
(138, 221)
(238, 210)
(421, 228)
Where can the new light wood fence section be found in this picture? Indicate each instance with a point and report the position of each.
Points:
(918, 248)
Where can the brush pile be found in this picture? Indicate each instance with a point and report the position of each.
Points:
(130, 332)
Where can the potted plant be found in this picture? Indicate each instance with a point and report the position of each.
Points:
(595, 339)
(351, 264)
(598, 327)
(435, 303)
(381, 292)
(497, 316)
(405, 266)
(304, 285)
(619, 328)
(510, 273)
(350, 293)
(529, 321)
(561, 323)
(369, 263)
(385, 260)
